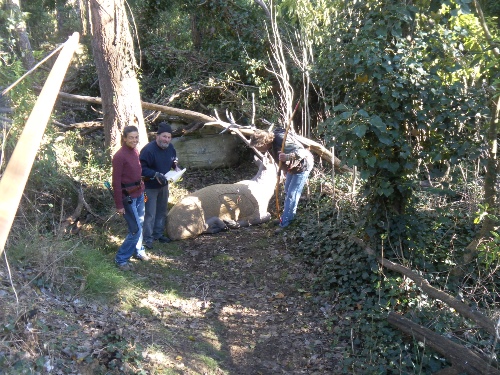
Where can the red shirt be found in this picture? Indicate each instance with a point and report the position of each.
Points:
(126, 170)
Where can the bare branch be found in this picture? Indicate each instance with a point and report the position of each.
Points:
(264, 6)
(32, 69)
(486, 30)
(463, 359)
(232, 126)
(423, 284)
(279, 69)
(317, 148)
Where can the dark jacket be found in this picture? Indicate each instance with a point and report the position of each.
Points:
(155, 159)
(301, 158)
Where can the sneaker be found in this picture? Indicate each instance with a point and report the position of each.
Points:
(148, 245)
(279, 230)
(124, 267)
(164, 239)
(143, 257)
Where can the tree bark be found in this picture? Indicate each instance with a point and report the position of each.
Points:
(195, 32)
(116, 68)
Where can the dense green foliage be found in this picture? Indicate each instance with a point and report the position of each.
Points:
(397, 111)
(216, 63)
(402, 91)
(360, 293)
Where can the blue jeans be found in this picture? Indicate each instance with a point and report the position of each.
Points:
(293, 189)
(156, 213)
(134, 216)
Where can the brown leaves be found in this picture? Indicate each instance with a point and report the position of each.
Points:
(238, 300)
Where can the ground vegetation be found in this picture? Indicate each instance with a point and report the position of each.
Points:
(404, 94)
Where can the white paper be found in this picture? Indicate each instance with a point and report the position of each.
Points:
(173, 176)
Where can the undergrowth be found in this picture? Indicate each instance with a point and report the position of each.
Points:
(76, 259)
(60, 250)
(360, 293)
(69, 244)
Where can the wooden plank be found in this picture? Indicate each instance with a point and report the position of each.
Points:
(19, 167)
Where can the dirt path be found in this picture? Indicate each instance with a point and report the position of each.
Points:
(232, 303)
(252, 305)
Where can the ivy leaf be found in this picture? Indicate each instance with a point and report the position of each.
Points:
(394, 105)
(363, 113)
(396, 31)
(346, 115)
(393, 167)
(384, 138)
(385, 189)
(437, 157)
(360, 130)
(381, 31)
(371, 161)
(340, 107)
(378, 123)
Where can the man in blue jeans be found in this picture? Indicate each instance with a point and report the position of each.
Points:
(128, 193)
(297, 162)
(157, 158)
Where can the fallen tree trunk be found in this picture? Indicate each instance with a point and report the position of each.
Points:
(88, 126)
(460, 357)
(448, 371)
(317, 148)
(451, 301)
(423, 284)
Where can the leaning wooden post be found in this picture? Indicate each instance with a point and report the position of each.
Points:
(19, 167)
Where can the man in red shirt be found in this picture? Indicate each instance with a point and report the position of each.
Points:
(128, 191)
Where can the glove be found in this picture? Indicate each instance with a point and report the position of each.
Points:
(162, 180)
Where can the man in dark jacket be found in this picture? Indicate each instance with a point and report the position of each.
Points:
(157, 158)
(297, 163)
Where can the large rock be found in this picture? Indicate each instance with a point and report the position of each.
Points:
(207, 150)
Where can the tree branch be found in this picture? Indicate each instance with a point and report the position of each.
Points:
(423, 284)
(317, 148)
(462, 358)
(485, 28)
(264, 6)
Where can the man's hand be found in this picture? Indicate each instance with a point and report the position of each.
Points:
(283, 157)
(120, 211)
(162, 180)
